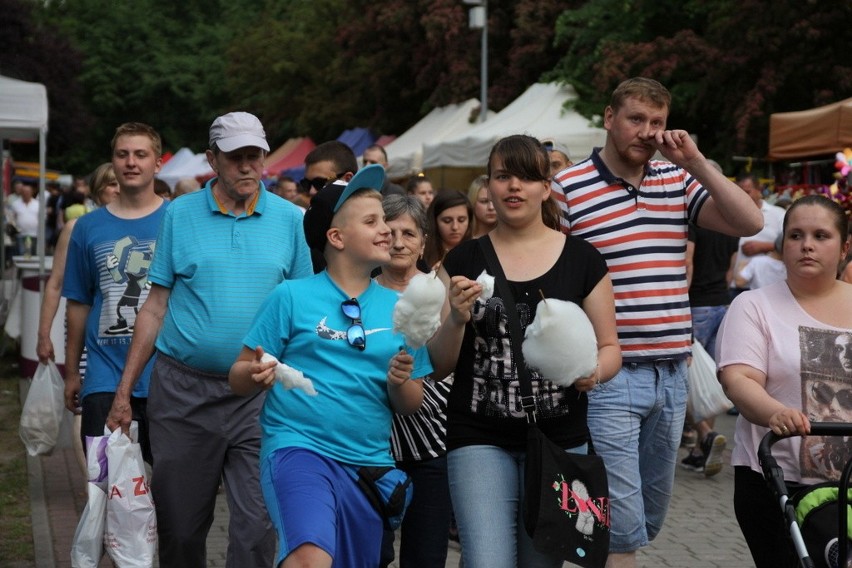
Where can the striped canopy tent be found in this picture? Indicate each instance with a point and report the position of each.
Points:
(290, 154)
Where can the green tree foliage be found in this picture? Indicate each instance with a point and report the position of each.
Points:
(729, 64)
(149, 61)
(317, 67)
(305, 67)
(529, 50)
(31, 51)
(321, 66)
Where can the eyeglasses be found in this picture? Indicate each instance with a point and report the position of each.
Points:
(317, 183)
(355, 335)
(548, 145)
(824, 394)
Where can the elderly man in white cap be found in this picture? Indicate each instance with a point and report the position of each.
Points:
(220, 251)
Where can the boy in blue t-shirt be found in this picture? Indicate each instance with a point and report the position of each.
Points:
(337, 328)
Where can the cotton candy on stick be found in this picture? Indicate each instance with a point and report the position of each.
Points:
(417, 314)
(289, 377)
(487, 282)
(560, 342)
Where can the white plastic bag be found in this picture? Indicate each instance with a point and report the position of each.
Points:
(41, 416)
(88, 544)
(131, 523)
(706, 397)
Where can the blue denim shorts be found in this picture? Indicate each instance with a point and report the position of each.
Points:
(636, 421)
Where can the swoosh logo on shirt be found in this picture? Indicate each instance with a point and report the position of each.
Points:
(326, 332)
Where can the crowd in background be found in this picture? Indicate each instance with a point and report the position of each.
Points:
(597, 233)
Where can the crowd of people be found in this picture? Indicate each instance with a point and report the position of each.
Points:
(184, 306)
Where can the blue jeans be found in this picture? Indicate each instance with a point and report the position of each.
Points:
(705, 325)
(636, 421)
(423, 540)
(487, 488)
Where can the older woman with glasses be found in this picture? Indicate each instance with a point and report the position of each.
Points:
(781, 355)
(419, 440)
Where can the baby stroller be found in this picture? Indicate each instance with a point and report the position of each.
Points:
(813, 513)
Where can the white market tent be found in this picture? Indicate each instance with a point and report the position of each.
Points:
(539, 112)
(23, 117)
(178, 160)
(405, 153)
(184, 164)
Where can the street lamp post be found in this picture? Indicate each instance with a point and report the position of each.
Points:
(478, 18)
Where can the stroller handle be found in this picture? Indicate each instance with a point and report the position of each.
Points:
(817, 429)
(774, 476)
(771, 470)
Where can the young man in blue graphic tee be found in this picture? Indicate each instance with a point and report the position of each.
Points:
(105, 281)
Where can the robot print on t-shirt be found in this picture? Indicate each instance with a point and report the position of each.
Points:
(826, 397)
(127, 265)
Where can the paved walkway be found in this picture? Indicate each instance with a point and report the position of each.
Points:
(700, 531)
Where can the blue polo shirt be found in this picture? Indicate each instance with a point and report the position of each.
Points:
(220, 267)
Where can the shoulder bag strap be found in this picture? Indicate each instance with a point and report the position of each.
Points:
(502, 286)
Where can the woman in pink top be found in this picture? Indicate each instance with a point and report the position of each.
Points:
(781, 357)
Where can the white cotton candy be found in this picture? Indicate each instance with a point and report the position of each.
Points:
(289, 377)
(417, 314)
(487, 282)
(560, 343)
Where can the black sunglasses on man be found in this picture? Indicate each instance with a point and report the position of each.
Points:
(316, 183)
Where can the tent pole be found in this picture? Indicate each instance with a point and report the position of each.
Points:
(3, 225)
(483, 72)
(42, 209)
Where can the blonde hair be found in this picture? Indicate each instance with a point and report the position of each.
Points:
(102, 177)
(641, 88)
(473, 190)
(478, 183)
(139, 129)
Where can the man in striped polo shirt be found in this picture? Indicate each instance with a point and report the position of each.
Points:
(636, 211)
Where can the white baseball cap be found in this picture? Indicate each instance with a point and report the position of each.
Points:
(237, 130)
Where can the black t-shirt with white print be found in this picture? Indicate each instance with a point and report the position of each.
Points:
(484, 405)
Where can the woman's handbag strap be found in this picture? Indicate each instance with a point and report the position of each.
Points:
(502, 286)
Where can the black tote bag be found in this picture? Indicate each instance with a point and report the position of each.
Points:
(566, 502)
